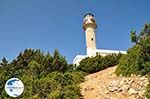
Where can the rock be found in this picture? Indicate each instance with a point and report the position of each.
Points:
(109, 86)
(119, 90)
(132, 91)
(122, 81)
(130, 81)
(113, 86)
(141, 93)
(133, 86)
(133, 97)
(125, 88)
(112, 89)
(139, 88)
(143, 78)
(106, 91)
(114, 83)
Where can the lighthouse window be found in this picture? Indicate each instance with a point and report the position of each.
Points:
(91, 39)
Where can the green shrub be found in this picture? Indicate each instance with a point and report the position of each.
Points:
(97, 63)
(137, 60)
(44, 76)
(147, 93)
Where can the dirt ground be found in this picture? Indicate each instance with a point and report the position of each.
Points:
(95, 85)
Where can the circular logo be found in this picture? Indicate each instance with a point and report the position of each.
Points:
(14, 87)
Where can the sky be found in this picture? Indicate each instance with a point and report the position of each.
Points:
(57, 24)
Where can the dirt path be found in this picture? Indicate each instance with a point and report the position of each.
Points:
(95, 85)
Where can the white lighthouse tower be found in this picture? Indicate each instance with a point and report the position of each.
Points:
(89, 26)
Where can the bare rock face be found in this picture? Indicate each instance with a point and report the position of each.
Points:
(106, 85)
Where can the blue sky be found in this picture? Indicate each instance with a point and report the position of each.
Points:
(57, 24)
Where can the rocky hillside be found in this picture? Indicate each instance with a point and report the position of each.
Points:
(106, 85)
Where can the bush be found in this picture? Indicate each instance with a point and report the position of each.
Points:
(129, 64)
(97, 63)
(44, 76)
(137, 60)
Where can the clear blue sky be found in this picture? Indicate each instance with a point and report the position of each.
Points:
(57, 24)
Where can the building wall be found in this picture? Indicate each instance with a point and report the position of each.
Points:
(101, 52)
(90, 38)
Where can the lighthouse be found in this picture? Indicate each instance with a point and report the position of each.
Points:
(89, 26)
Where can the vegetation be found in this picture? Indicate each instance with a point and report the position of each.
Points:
(97, 63)
(137, 60)
(51, 77)
(43, 75)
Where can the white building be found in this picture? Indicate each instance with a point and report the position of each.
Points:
(89, 26)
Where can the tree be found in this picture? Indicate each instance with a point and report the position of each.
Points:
(4, 62)
(133, 36)
(43, 75)
(137, 60)
(145, 33)
(59, 62)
